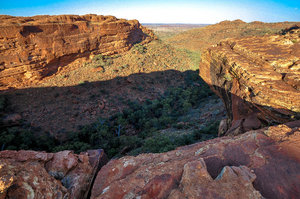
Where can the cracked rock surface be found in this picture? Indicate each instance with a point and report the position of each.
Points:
(34, 175)
(220, 168)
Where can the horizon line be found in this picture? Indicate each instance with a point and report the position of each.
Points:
(149, 23)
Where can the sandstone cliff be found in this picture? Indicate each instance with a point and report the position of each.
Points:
(32, 47)
(257, 78)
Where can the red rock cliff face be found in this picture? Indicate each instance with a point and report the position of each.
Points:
(257, 78)
(32, 47)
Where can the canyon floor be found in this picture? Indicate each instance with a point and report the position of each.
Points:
(84, 92)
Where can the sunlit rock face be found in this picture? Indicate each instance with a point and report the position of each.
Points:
(32, 47)
(258, 163)
(258, 78)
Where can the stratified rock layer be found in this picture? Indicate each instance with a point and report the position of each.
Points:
(271, 154)
(32, 47)
(257, 78)
(31, 174)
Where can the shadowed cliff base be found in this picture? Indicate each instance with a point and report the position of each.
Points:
(123, 115)
(243, 116)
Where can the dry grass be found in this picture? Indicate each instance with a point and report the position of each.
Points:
(158, 56)
(201, 38)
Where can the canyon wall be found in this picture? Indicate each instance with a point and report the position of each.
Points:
(258, 81)
(33, 47)
(257, 78)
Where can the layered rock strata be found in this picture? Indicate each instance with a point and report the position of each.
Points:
(258, 163)
(32, 47)
(257, 79)
(31, 174)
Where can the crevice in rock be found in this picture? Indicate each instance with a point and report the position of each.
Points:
(102, 161)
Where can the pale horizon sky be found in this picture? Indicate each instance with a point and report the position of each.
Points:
(176, 11)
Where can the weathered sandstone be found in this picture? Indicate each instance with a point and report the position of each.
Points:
(31, 174)
(200, 39)
(257, 78)
(32, 47)
(219, 168)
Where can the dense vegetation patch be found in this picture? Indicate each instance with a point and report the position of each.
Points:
(138, 129)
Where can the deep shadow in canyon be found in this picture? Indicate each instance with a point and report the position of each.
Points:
(139, 88)
(130, 109)
(145, 112)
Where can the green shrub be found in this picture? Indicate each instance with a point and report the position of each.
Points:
(138, 48)
(16, 138)
(98, 57)
(3, 103)
(124, 66)
(101, 61)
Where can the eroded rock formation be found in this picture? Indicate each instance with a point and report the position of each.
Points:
(31, 174)
(32, 47)
(271, 153)
(257, 78)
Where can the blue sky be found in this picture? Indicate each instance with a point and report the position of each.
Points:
(154, 11)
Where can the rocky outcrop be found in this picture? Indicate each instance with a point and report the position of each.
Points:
(32, 47)
(199, 39)
(219, 168)
(31, 174)
(257, 79)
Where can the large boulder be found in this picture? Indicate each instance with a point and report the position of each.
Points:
(262, 162)
(31, 174)
(257, 79)
(32, 47)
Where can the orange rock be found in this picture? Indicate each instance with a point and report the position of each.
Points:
(232, 182)
(32, 47)
(257, 79)
(258, 163)
(31, 174)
